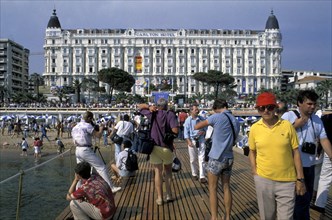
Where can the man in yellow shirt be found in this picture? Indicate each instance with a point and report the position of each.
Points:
(275, 161)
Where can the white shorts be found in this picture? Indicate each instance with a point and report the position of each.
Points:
(37, 150)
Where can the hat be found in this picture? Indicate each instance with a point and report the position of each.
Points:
(266, 98)
(127, 144)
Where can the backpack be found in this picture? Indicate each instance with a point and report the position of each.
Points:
(143, 140)
(131, 162)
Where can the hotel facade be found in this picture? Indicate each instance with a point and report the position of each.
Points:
(252, 57)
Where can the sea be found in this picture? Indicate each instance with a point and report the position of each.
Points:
(36, 189)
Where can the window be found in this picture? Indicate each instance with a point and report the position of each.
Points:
(170, 60)
(239, 52)
(158, 51)
(192, 51)
(228, 51)
(169, 51)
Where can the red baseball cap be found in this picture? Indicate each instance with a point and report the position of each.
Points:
(266, 98)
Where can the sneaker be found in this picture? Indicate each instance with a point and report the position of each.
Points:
(317, 208)
(203, 180)
(116, 189)
(195, 177)
(169, 199)
(159, 202)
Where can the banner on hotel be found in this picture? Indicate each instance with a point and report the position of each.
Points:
(138, 64)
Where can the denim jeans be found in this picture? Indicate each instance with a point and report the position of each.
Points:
(302, 203)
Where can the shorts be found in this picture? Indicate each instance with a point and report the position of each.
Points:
(161, 155)
(125, 173)
(37, 150)
(220, 168)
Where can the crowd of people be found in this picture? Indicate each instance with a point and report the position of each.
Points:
(284, 147)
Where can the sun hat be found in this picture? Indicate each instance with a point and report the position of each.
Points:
(266, 98)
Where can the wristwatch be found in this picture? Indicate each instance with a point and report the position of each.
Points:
(301, 180)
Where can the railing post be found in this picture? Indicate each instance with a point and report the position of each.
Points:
(19, 195)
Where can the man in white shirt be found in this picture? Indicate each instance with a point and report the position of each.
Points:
(124, 129)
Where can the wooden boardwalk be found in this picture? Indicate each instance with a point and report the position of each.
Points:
(137, 199)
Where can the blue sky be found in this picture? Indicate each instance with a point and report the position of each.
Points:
(306, 26)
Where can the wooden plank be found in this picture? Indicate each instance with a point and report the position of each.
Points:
(137, 199)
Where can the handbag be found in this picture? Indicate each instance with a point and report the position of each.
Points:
(176, 165)
(116, 138)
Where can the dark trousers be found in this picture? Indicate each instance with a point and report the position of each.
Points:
(302, 203)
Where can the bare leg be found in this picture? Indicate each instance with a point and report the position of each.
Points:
(158, 180)
(213, 182)
(227, 195)
(168, 179)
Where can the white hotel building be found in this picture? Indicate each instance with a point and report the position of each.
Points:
(252, 57)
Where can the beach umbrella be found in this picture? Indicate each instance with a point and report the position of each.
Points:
(7, 117)
(251, 118)
(71, 118)
(240, 120)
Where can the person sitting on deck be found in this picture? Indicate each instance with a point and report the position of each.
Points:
(119, 169)
(93, 199)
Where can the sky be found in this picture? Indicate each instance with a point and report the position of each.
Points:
(306, 26)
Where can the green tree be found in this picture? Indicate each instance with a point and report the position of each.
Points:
(90, 85)
(117, 79)
(37, 80)
(323, 89)
(4, 93)
(221, 82)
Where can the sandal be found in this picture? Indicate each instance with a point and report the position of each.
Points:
(159, 202)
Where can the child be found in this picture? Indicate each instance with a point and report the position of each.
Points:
(25, 147)
(37, 144)
(60, 145)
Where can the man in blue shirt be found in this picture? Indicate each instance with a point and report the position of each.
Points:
(221, 154)
(310, 129)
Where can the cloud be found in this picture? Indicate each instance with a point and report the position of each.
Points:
(305, 25)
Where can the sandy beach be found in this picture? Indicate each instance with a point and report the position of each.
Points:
(11, 146)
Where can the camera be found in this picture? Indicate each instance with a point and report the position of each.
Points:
(169, 137)
(309, 148)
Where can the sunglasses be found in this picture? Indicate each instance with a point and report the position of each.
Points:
(268, 107)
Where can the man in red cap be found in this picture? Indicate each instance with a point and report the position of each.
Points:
(275, 161)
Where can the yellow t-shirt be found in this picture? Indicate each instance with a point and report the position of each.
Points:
(274, 150)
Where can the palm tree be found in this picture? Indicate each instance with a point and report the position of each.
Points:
(323, 90)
